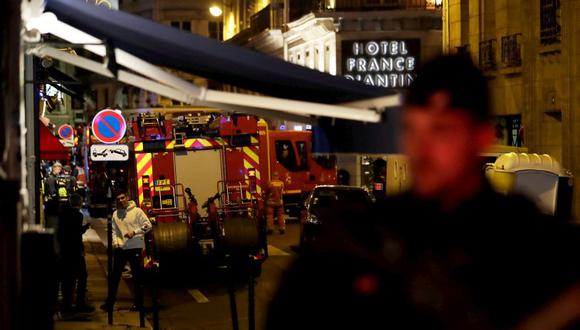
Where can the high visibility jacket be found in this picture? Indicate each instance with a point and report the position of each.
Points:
(81, 176)
(275, 192)
(59, 188)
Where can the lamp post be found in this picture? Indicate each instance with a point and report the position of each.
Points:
(216, 12)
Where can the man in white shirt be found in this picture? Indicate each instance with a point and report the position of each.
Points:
(130, 224)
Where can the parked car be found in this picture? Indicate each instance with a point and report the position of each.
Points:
(324, 203)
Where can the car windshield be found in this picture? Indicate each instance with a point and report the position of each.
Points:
(333, 197)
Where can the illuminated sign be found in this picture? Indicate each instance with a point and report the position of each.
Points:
(381, 63)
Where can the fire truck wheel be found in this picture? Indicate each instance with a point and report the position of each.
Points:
(240, 235)
(171, 237)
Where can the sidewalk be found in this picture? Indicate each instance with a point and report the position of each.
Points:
(96, 256)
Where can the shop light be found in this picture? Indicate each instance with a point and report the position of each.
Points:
(298, 128)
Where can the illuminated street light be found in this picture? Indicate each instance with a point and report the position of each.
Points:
(215, 11)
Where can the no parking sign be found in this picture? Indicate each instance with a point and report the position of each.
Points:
(109, 126)
(66, 132)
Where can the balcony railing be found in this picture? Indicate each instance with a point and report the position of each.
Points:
(487, 55)
(511, 50)
(550, 28)
(387, 4)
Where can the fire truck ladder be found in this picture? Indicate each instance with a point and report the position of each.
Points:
(149, 120)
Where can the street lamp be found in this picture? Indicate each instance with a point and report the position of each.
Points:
(216, 12)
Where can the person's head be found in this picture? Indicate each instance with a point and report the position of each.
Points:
(66, 169)
(56, 168)
(275, 176)
(122, 199)
(76, 201)
(446, 125)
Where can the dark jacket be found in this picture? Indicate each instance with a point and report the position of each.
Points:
(70, 233)
(407, 265)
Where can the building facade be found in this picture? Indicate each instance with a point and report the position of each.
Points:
(530, 52)
(380, 43)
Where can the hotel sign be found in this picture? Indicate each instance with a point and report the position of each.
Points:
(381, 63)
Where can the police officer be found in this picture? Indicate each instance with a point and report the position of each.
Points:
(275, 204)
(58, 188)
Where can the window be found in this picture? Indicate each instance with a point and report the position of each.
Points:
(285, 155)
(216, 30)
(487, 55)
(463, 50)
(106, 95)
(550, 21)
(511, 50)
(185, 25)
(302, 149)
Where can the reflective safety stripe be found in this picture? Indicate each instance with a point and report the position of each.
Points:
(252, 162)
(144, 167)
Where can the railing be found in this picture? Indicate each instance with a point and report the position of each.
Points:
(511, 50)
(387, 4)
(550, 28)
(487, 55)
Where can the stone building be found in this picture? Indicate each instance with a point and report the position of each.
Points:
(530, 51)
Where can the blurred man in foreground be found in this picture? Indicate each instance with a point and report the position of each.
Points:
(449, 254)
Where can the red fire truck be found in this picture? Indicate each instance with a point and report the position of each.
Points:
(225, 162)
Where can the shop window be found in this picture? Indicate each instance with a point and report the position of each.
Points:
(175, 24)
(550, 28)
(285, 155)
(509, 130)
(186, 26)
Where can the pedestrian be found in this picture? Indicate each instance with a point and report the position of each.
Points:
(275, 204)
(130, 224)
(450, 253)
(72, 259)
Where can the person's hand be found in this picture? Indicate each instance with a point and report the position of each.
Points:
(130, 234)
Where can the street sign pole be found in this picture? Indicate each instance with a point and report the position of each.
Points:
(109, 261)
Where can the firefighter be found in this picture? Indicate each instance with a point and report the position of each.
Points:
(275, 204)
(81, 177)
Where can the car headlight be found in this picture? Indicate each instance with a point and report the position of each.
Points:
(313, 219)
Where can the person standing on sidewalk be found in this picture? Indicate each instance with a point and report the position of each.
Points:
(275, 204)
(130, 224)
(72, 259)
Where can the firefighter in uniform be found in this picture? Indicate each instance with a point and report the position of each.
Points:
(275, 204)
